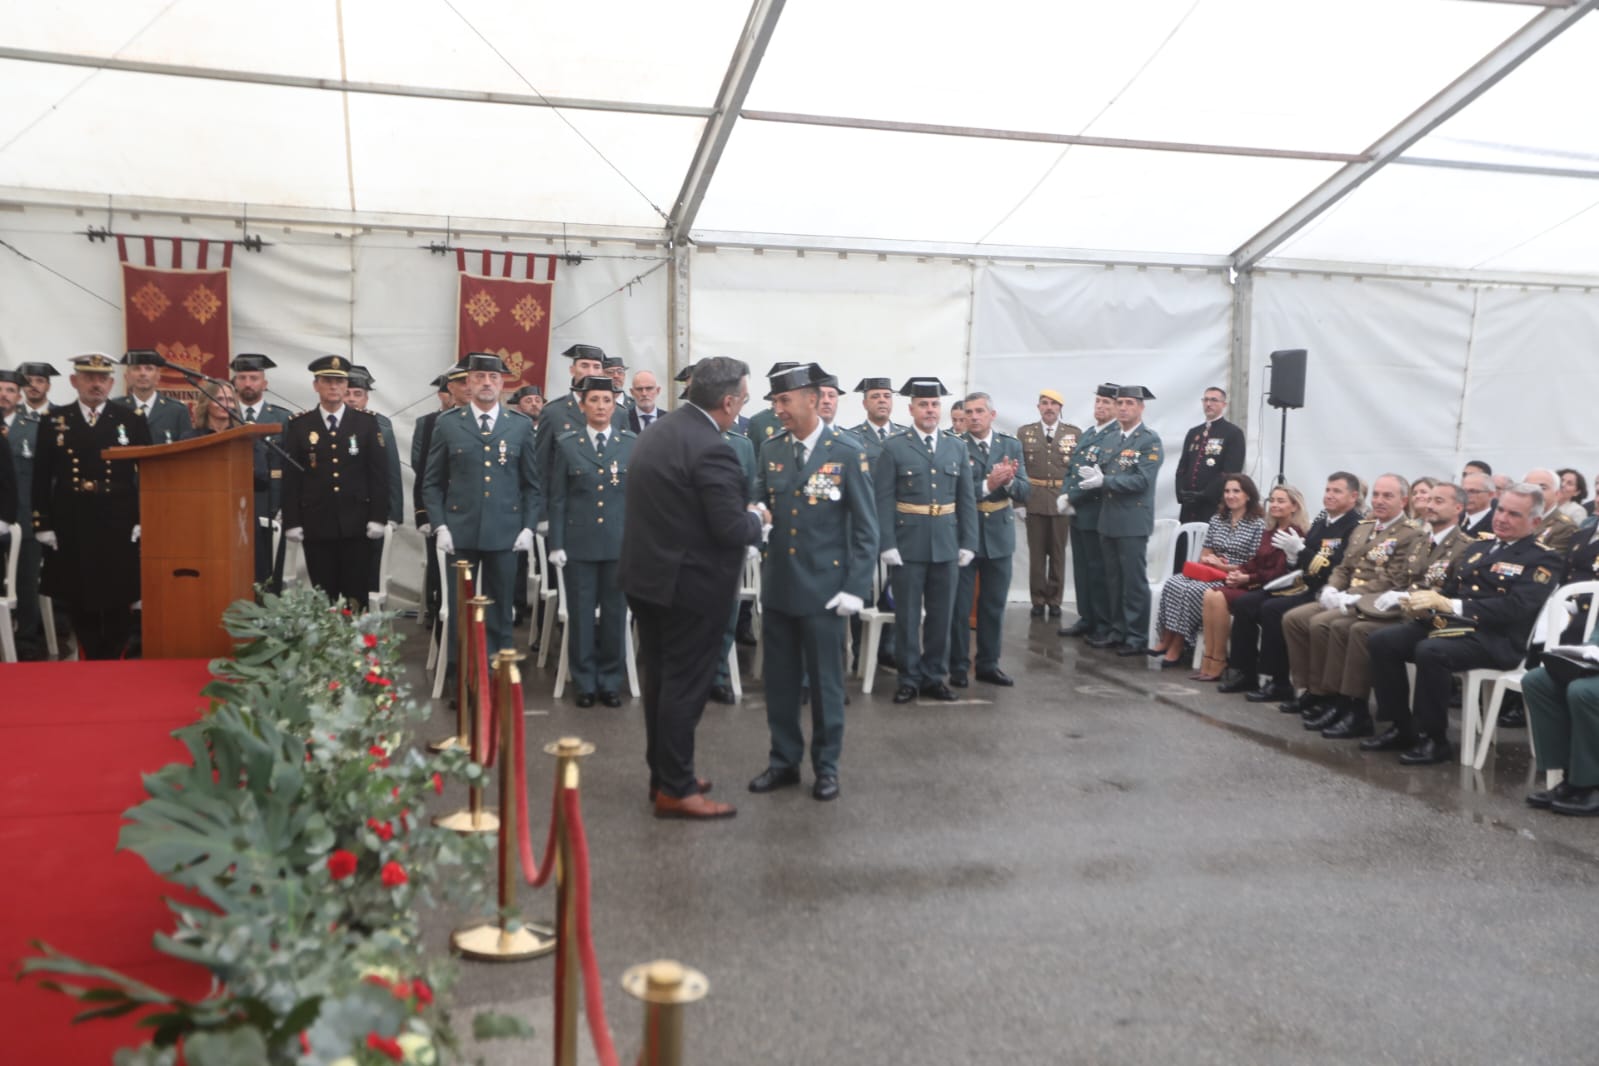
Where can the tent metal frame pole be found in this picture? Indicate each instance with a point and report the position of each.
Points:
(1238, 405)
(736, 83)
(1484, 75)
(1532, 170)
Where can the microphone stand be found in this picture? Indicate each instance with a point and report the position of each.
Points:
(195, 378)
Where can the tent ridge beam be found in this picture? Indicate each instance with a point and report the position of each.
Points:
(1482, 76)
(956, 250)
(373, 88)
(989, 133)
(1497, 168)
(736, 83)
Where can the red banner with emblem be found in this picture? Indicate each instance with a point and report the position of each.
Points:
(506, 316)
(183, 314)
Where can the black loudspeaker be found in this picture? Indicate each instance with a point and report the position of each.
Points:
(1287, 378)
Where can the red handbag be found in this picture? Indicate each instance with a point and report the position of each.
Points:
(1201, 572)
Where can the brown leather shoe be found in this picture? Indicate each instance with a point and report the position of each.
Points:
(700, 783)
(695, 806)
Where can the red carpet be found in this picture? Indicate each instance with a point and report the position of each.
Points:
(77, 738)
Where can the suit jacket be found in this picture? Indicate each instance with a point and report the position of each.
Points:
(1048, 460)
(1501, 592)
(482, 486)
(1484, 525)
(23, 437)
(744, 448)
(683, 546)
(587, 495)
(636, 424)
(167, 418)
(1093, 448)
(1207, 459)
(344, 483)
(1130, 464)
(907, 478)
(824, 522)
(1324, 549)
(996, 511)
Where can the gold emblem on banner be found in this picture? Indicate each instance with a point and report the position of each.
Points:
(482, 308)
(514, 364)
(150, 301)
(191, 358)
(202, 303)
(528, 313)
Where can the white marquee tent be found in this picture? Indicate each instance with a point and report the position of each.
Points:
(1007, 195)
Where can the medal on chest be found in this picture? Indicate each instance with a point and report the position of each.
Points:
(1434, 577)
(823, 485)
(502, 453)
(312, 439)
(122, 434)
(355, 449)
(615, 476)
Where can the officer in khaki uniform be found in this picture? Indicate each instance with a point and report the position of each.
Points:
(167, 418)
(927, 527)
(1376, 560)
(1088, 570)
(586, 503)
(1131, 462)
(1047, 447)
(815, 483)
(999, 480)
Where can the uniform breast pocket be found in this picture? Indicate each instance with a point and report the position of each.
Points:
(952, 468)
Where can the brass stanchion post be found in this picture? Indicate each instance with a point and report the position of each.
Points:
(497, 941)
(463, 647)
(567, 751)
(664, 986)
(475, 819)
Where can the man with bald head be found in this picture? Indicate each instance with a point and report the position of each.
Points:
(1555, 529)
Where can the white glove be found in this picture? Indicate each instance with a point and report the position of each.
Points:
(1090, 477)
(543, 528)
(964, 556)
(1330, 598)
(1388, 600)
(1571, 608)
(1457, 607)
(297, 534)
(845, 604)
(47, 538)
(752, 552)
(265, 521)
(1063, 503)
(891, 557)
(445, 542)
(1590, 652)
(558, 557)
(1289, 542)
(1348, 600)
(426, 529)
(374, 531)
(5, 527)
(523, 542)
(134, 539)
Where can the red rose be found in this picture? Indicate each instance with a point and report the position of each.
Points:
(333, 686)
(305, 1043)
(384, 830)
(424, 994)
(401, 989)
(387, 1046)
(393, 874)
(341, 864)
(438, 784)
(370, 640)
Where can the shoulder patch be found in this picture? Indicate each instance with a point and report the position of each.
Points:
(1542, 575)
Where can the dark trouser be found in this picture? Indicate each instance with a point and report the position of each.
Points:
(30, 630)
(1196, 511)
(339, 567)
(519, 597)
(1046, 557)
(434, 590)
(1565, 725)
(263, 540)
(990, 592)
(498, 570)
(1088, 576)
(797, 646)
(1127, 588)
(595, 664)
(374, 568)
(921, 645)
(676, 659)
(102, 632)
(1437, 660)
(1256, 644)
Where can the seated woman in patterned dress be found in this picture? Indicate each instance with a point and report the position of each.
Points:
(1285, 509)
(1231, 539)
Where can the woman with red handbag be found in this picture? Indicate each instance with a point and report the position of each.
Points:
(1285, 509)
(1232, 537)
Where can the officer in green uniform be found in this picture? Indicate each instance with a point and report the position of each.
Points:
(817, 489)
(763, 424)
(563, 415)
(616, 370)
(36, 387)
(999, 479)
(586, 497)
(1564, 714)
(1088, 570)
(167, 418)
(21, 430)
(250, 385)
(877, 396)
(1129, 463)
(926, 526)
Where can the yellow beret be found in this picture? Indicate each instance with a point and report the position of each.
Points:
(1051, 394)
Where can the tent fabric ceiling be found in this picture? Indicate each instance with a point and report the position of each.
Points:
(1316, 78)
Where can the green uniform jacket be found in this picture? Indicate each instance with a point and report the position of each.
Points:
(482, 486)
(168, 419)
(763, 425)
(587, 494)
(391, 448)
(560, 416)
(866, 433)
(745, 450)
(1130, 465)
(824, 523)
(24, 439)
(996, 513)
(906, 473)
(1090, 451)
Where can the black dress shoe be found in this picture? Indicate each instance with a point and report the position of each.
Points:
(1127, 651)
(1582, 803)
(773, 778)
(937, 690)
(1054, 612)
(1037, 611)
(585, 699)
(1154, 653)
(826, 788)
(1352, 725)
(1076, 629)
(1302, 703)
(1174, 664)
(996, 676)
(610, 699)
(1513, 718)
(1235, 681)
(1271, 692)
(958, 680)
(722, 694)
(1323, 717)
(1545, 798)
(1101, 642)
(1428, 751)
(1390, 739)
(905, 693)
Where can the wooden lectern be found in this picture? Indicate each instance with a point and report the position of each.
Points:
(197, 538)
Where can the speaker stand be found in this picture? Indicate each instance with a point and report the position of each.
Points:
(1282, 450)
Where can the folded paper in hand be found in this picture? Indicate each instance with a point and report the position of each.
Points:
(1571, 662)
(1288, 580)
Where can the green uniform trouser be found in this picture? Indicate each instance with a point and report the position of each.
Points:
(921, 644)
(990, 593)
(594, 651)
(1088, 576)
(1127, 589)
(797, 648)
(1565, 725)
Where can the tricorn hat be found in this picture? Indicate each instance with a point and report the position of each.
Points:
(915, 387)
(807, 375)
(869, 384)
(37, 370)
(251, 361)
(1107, 390)
(779, 367)
(586, 351)
(484, 362)
(1134, 392)
(361, 378)
(142, 357)
(596, 383)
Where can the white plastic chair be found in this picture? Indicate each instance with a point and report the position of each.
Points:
(1477, 724)
(874, 620)
(1190, 546)
(47, 616)
(1159, 558)
(293, 556)
(438, 657)
(749, 588)
(563, 669)
(546, 607)
(8, 602)
(378, 599)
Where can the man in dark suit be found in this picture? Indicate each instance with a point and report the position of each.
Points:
(1211, 450)
(1481, 498)
(645, 408)
(682, 551)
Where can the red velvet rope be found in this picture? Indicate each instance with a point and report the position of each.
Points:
(534, 874)
(593, 990)
(485, 689)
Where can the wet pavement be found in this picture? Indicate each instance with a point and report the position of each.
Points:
(1104, 864)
